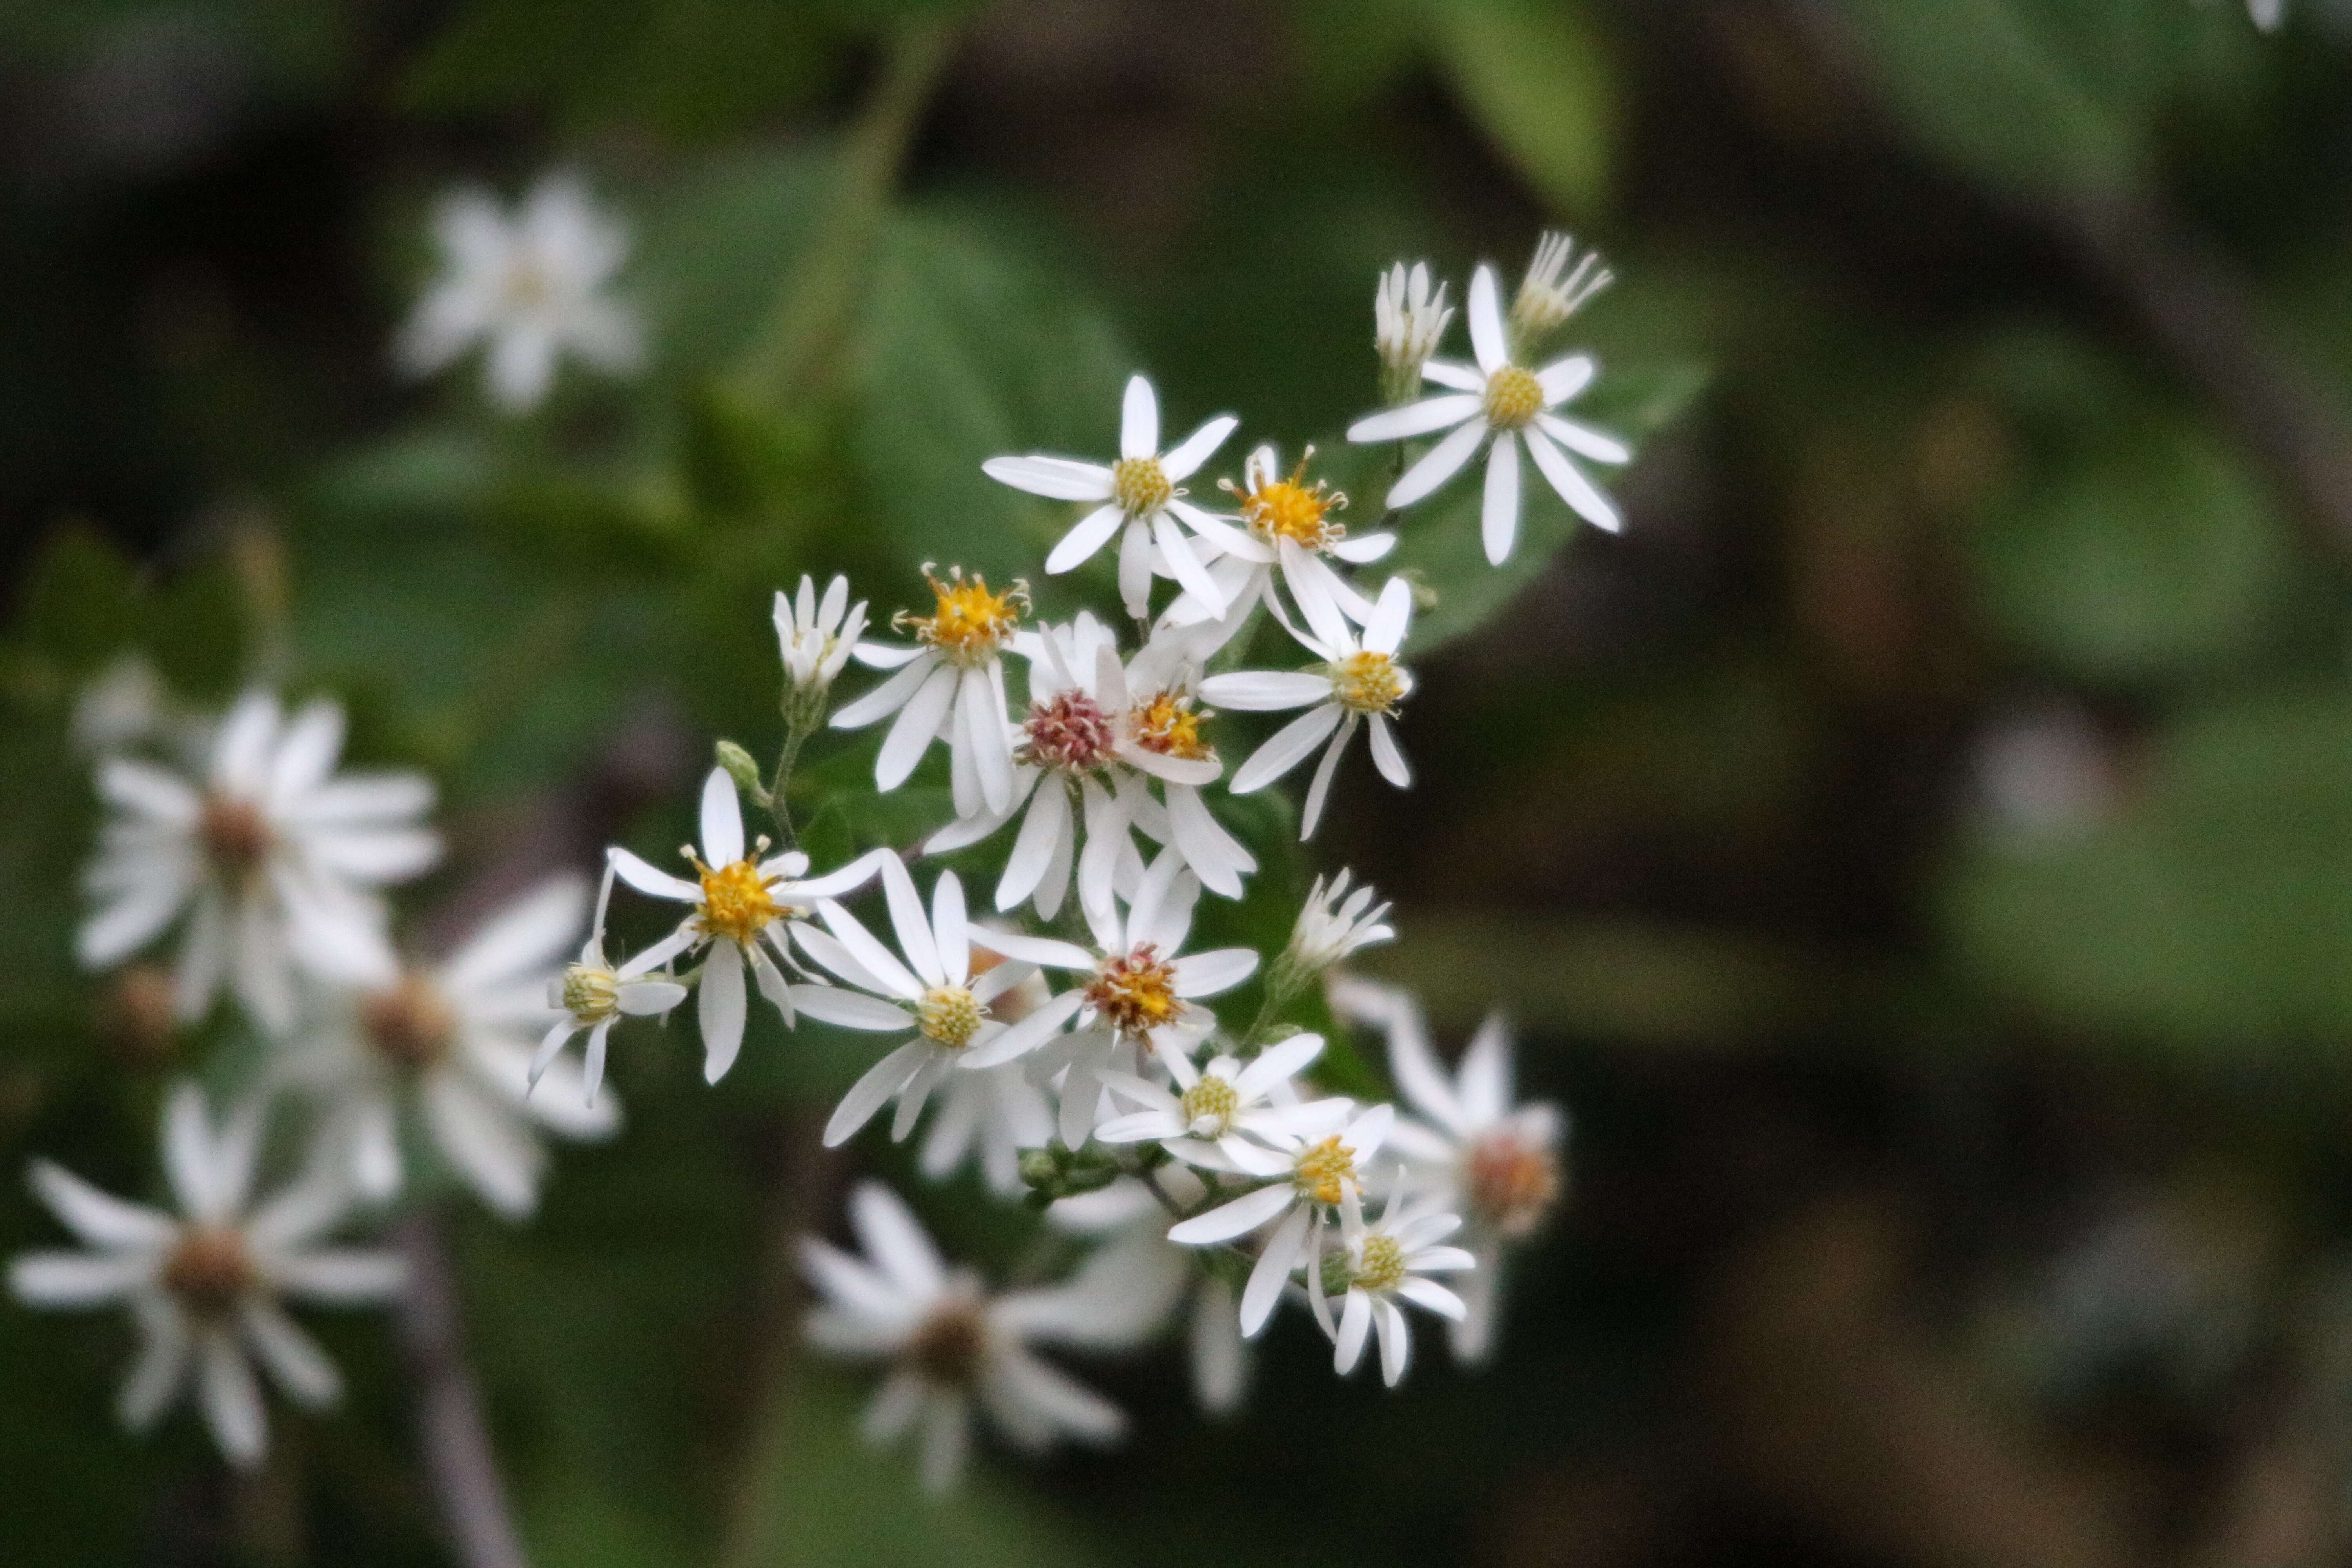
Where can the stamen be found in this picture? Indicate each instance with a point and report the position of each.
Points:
(1512, 1182)
(210, 1270)
(949, 1015)
(736, 903)
(1208, 1107)
(1071, 733)
(590, 993)
(970, 623)
(1169, 724)
(1381, 1266)
(1326, 1170)
(947, 1346)
(235, 833)
(1369, 682)
(1291, 508)
(1136, 992)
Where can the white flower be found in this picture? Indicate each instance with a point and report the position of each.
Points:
(1380, 1264)
(738, 902)
(1214, 1107)
(818, 639)
(949, 1344)
(1359, 679)
(593, 995)
(950, 682)
(452, 1046)
(995, 1113)
(1311, 1163)
(1504, 400)
(1142, 990)
(123, 705)
(1290, 527)
(1335, 923)
(274, 860)
(1546, 300)
(205, 1287)
(1500, 1164)
(934, 991)
(1141, 1270)
(1137, 499)
(1409, 322)
(2267, 14)
(531, 287)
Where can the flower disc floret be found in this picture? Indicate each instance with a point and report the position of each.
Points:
(1514, 398)
(590, 993)
(1208, 1107)
(736, 903)
(1169, 724)
(1369, 682)
(949, 1015)
(970, 623)
(1136, 992)
(1292, 508)
(1140, 485)
(1382, 1266)
(1324, 1170)
(1070, 732)
(210, 1270)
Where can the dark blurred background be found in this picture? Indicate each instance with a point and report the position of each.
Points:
(1918, 851)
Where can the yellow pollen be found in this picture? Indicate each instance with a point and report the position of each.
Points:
(949, 1015)
(735, 901)
(969, 624)
(1140, 485)
(1213, 1098)
(1369, 682)
(1168, 725)
(1291, 508)
(1326, 1170)
(1381, 1267)
(1136, 992)
(209, 1270)
(1514, 398)
(591, 993)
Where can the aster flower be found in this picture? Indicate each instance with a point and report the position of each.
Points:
(1290, 529)
(1376, 1266)
(593, 995)
(1335, 923)
(1496, 1163)
(205, 1286)
(1311, 1158)
(950, 682)
(1136, 1265)
(1140, 990)
(741, 905)
(451, 1046)
(818, 639)
(1359, 680)
(1136, 497)
(1547, 299)
(948, 1344)
(1500, 399)
(934, 991)
(1409, 320)
(531, 287)
(273, 857)
(1212, 1109)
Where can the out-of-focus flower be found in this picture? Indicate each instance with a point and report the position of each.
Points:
(1500, 399)
(739, 902)
(1136, 497)
(593, 995)
(1136, 1265)
(1546, 299)
(532, 288)
(952, 682)
(1360, 680)
(1335, 923)
(205, 1286)
(2267, 14)
(949, 1345)
(1409, 320)
(818, 638)
(273, 856)
(1378, 1265)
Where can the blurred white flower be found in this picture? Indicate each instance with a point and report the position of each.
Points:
(818, 639)
(1211, 1107)
(123, 705)
(1140, 1270)
(203, 1287)
(1511, 403)
(593, 995)
(740, 904)
(1289, 527)
(451, 1046)
(2267, 14)
(1546, 299)
(949, 1345)
(1409, 320)
(531, 287)
(1359, 680)
(274, 857)
(1335, 923)
(1378, 1265)
(951, 683)
(1138, 498)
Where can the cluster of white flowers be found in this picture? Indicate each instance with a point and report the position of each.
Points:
(1079, 1056)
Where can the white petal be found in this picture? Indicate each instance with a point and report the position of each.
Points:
(293, 1358)
(1138, 420)
(895, 1240)
(1319, 788)
(1197, 448)
(1487, 341)
(1088, 534)
(1498, 517)
(1272, 1270)
(1185, 566)
(529, 935)
(1057, 478)
(1390, 616)
(952, 929)
(161, 1366)
(232, 1400)
(1355, 1327)
(1564, 378)
(891, 695)
(873, 1088)
(1206, 973)
(720, 1010)
(1416, 418)
(722, 819)
(1387, 755)
(1584, 440)
(1046, 822)
(1396, 1342)
(866, 952)
(1286, 748)
(487, 1142)
(1437, 465)
(1239, 1217)
(1582, 494)
(647, 879)
(99, 1218)
(1027, 1034)
(907, 919)
(1265, 690)
(916, 727)
(849, 1009)
(77, 1279)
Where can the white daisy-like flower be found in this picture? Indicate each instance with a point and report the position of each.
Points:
(991, 1115)
(593, 995)
(274, 857)
(1152, 1276)
(949, 1345)
(531, 287)
(1140, 989)
(1380, 1264)
(934, 991)
(1213, 1108)
(1409, 320)
(451, 1046)
(818, 638)
(1136, 497)
(1311, 1159)
(205, 1286)
(1291, 530)
(1335, 923)
(1498, 1165)
(951, 683)
(1360, 680)
(1502, 400)
(741, 904)
(1553, 290)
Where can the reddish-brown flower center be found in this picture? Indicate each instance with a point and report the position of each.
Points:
(1136, 992)
(1071, 732)
(947, 1346)
(233, 833)
(1512, 1182)
(210, 1270)
(410, 1024)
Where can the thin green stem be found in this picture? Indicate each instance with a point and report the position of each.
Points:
(796, 734)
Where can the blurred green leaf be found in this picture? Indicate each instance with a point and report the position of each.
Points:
(1537, 78)
(78, 598)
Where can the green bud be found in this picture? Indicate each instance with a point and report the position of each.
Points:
(743, 770)
(1040, 1170)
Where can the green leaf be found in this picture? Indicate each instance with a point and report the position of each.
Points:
(1538, 80)
(79, 598)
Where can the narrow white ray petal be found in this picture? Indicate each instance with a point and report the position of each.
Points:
(916, 727)
(1188, 455)
(1437, 465)
(1139, 419)
(892, 694)
(1498, 515)
(1265, 691)
(1057, 478)
(1387, 755)
(1272, 1270)
(720, 1009)
(1487, 341)
(1584, 497)
(722, 819)
(1286, 748)
(1431, 413)
(646, 877)
(1239, 1217)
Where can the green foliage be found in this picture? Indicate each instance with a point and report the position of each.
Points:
(1540, 80)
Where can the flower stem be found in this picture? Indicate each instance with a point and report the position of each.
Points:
(451, 1431)
(795, 735)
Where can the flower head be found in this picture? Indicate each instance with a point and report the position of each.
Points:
(816, 638)
(950, 682)
(1376, 1266)
(593, 995)
(1547, 299)
(1335, 922)
(1409, 320)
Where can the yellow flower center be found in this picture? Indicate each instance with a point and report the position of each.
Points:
(1325, 1172)
(1514, 398)
(1168, 724)
(735, 901)
(947, 1347)
(1136, 992)
(409, 1024)
(1140, 485)
(210, 1270)
(1512, 1180)
(591, 993)
(969, 623)
(949, 1015)
(1369, 682)
(1214, 1098)
(233, 833)
(1381, 1267)
(1291, 508)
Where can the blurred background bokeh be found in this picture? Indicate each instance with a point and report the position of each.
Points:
(1918, 850)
